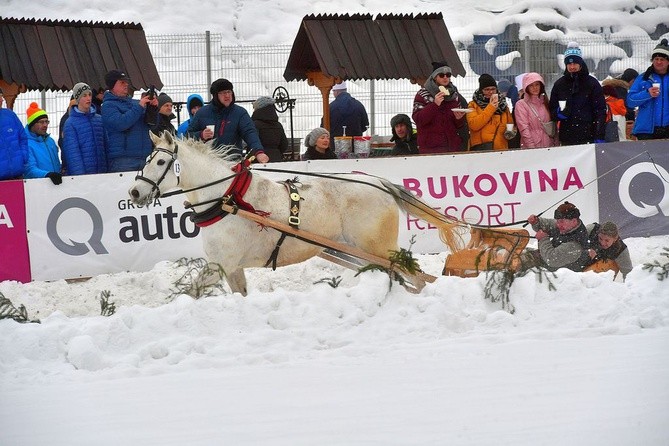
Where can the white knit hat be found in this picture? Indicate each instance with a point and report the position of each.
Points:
(341, 86)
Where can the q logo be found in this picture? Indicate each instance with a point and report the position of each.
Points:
(74, 248)
(643, 210)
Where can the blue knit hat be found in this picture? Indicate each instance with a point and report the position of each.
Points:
(573, 54)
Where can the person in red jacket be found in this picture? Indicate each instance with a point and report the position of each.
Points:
(436, 122)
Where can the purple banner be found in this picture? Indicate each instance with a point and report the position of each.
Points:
(14, 258)
(634, 186)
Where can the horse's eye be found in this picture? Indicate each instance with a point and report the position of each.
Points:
(161, 162)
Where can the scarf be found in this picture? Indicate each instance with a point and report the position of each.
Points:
(483, 102)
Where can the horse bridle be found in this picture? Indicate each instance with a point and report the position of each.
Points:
(173, 163)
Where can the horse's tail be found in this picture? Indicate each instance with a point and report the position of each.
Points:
(450, 229)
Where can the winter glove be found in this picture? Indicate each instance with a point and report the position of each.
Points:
(55, 177)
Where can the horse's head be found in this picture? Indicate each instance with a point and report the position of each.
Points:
(160, 173)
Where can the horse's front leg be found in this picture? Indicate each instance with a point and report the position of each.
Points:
(237, 281)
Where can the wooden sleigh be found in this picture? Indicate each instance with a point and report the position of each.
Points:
(488, 249)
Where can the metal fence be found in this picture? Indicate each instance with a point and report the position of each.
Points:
(187, 63)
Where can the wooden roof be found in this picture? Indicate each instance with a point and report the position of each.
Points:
(391, 46)
(55, 55)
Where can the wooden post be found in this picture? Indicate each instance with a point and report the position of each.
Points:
(10, 92)
(324, 83)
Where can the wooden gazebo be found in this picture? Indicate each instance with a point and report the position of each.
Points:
(55, 55)
(329, 49)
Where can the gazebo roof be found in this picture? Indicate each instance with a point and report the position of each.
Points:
(357, 46)
(55, 55)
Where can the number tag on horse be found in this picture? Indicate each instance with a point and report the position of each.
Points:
(177, 167)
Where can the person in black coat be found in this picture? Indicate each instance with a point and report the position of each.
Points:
(165, 116)
(317, 143)
(270, 130)
(406, 142)
(582, 120)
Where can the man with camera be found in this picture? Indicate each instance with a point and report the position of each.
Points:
(124, 118)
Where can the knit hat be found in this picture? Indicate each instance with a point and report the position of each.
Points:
(486, 80)
(566, 210)
(573, 54)
(439, 68)
(163, 99)
(78, 91)
(113, 76)
(340, 86)
(312, 137)
(262, 102)
(629, 75)
(34, 114)
(662, 50)
(609, 228)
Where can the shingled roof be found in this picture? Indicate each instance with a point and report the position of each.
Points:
(358, 47)
(55, 55)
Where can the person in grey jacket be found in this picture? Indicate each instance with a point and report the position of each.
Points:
(563, 241)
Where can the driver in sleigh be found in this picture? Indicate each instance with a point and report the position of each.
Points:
(563, 241)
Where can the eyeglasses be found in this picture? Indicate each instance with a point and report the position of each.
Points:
(43, 121)
(444, 74)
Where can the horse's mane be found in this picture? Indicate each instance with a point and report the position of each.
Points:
(225, 153)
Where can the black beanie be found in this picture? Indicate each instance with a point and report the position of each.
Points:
(220, 85)
(486, 80)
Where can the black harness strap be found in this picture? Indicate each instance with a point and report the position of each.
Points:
(293, 219)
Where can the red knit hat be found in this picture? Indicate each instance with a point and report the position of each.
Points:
(34, 113)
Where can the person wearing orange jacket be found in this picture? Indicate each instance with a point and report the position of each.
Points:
(488, 122)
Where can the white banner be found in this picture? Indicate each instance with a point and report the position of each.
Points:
(489, 188)
(88, 226)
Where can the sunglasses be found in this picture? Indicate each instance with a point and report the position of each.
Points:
(444, 74)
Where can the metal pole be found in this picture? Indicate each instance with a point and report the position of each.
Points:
(372, 108)
(528, 56)
(208, 55)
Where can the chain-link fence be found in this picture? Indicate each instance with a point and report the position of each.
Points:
(189, 63)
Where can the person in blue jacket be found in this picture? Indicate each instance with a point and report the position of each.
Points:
(232, 123)
(582, 119)
(346, 111)
(85, 140)
(650, 92)
(193, 104)
(43, 161)
(13, 144)
(123, 119)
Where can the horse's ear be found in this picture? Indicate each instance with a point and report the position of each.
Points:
(154, 138)
(168, 138)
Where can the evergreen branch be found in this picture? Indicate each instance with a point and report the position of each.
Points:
(106, 308)
(663, 272)
(9, 311)
(197, 271)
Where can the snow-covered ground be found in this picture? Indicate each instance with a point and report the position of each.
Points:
(299, 363)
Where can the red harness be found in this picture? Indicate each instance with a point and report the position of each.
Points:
(235, 194)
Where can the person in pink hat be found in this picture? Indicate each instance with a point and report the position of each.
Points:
(533, 118)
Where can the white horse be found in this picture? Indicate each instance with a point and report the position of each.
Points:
(351, 212)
